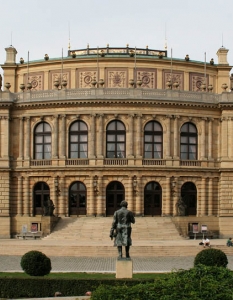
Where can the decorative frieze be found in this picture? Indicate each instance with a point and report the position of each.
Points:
(86, 77)
(117, 78)
(148, 78)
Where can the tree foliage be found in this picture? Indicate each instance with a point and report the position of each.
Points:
(36, 263)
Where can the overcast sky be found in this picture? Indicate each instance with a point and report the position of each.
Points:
(191, 27)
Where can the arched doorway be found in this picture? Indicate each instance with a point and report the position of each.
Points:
(41, 196)
(77, 199)
(115, 193)
(153, 199)
(189, 197)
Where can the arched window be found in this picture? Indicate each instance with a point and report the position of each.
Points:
(78, 140)
(41, 197)
(77, 199)
(188, 141)
(189, 197)
(42, 141)
(115, 140)
(115, 193)
(153, 199)
(153, 140)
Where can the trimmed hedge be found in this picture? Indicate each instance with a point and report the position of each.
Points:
(198, 283)
(36, 263)
(211, 257)
(39, 287)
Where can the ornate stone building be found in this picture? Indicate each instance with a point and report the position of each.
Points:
(107, 124)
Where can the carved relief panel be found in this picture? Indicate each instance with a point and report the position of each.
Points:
(196, 80)
(59, 75)
(174, 76)
(85, 78)
(36, 80)
(148, 78)
(116, 78)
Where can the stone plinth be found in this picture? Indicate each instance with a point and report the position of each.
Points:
(124, 268)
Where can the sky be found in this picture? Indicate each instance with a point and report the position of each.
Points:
(44, 26)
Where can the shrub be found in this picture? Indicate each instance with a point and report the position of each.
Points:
(35, 263)
(211, 257)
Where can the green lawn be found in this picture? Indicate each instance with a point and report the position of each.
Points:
(84, 275)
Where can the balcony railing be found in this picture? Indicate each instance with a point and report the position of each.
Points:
(116, 161)
(77, 162)
(190, 163)
(153, 162)
(40, 162)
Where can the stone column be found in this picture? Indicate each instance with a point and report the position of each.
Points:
(229, 137)
(210, 197)
(176, 146)
(166, 210)
(168, 139)
(101, 199)
(62, 209)
(224, 143)
(130, 137)
(21, 137)
(202, 208)
(175, 194)
(27, 197)
(131, 193)
(100, 140)
(139, 207)
(210, 139)
(63, 137)
(20, 196)
(90, 204)
(27, 138)
(203, 150)
(139, 137)
(5, 133)
(92, 137)
(55, 138)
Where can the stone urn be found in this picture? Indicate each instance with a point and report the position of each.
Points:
(224, 87)
(64, 83)
(210, 87)
(46, 57)
(131, 53)
(101, 83)
(203, 87)
(73, 54)
(186, 57)
(169, 84)
(29, 86)
(7, 85)
(93, 82)
(102, 53)
(176, 85)
(131, 83)
(139, 83)
(56, 83)
(21, 60)
(22, 87)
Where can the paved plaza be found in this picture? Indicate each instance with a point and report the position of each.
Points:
(106, 265)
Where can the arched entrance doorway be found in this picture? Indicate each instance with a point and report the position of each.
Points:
(77, 199)
(41, 196)
(189, 197)
(153, 199)
(115, 193)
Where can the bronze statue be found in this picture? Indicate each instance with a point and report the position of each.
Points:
(181, 207)
(48, 207)
(121, 229)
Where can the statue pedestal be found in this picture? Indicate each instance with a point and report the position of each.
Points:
(124, 268)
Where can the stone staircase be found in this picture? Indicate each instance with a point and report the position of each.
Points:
(89, 237)
(97, 229)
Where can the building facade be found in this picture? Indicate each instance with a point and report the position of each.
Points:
(102, 125)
